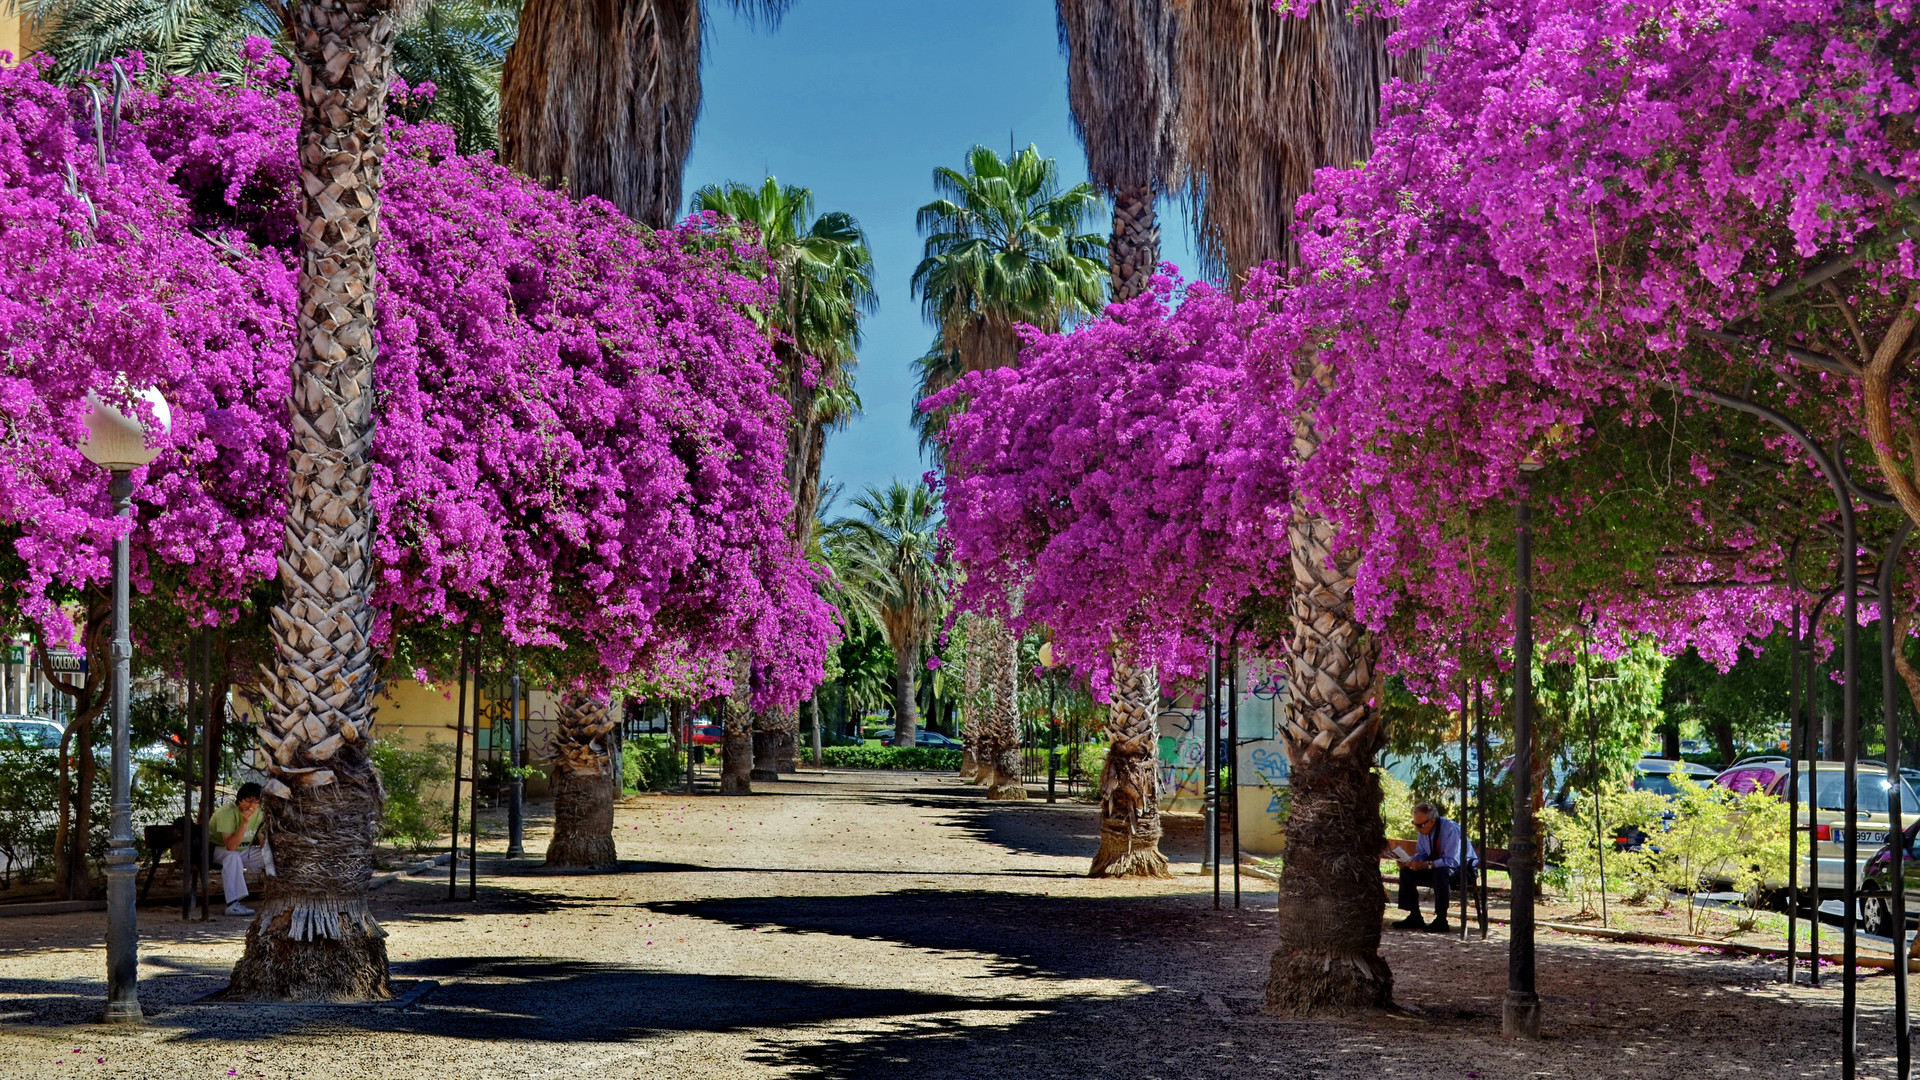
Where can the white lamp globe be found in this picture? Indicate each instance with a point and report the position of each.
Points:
(119, 442)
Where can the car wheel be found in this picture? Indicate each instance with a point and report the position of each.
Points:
(1876, 915)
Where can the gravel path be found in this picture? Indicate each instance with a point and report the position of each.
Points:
(882, 926)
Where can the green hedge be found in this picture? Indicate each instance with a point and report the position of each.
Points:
(925, 758)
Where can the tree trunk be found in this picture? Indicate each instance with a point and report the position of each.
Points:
(906, 718)
(736, 749)
(584, 785)
(818, 756)
(73, 827)
(786, 739)
(1331, 896)
(603, 97)
(765, 763)
(999, 727)
(972, 707)
(1130, 783)
(1723, 742)
(315, 938)
(1133, 251)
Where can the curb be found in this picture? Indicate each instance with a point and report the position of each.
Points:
(395, 875)
(51, 907)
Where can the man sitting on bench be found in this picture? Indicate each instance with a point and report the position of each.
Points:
(1438, 856)
(235, 826)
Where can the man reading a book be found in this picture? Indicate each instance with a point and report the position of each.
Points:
(1438, 862)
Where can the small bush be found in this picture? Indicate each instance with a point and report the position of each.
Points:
(26, 811)
(408, 816)
(925, 758)
(649, 763)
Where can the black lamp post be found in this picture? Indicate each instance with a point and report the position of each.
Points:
(118, 443)
(516, 824)
(1520, 1016)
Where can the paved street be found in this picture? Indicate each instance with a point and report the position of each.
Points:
(882, 926)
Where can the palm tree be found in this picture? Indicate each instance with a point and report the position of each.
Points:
(884, 558)
(1266, 99)
(1122, 87)
(1004, 246)
(584, 785)
(316, 939)
(458, 45)
(825, 271)
(603, 96)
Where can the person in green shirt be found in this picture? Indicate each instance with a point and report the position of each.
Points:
(234, 828)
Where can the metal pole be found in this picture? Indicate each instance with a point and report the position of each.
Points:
(459, 751)
(1850, 732)
(1813, 853)
(1233, 753)
(195, 690)
(1520, 1016)
(123, 935)
(1480, 796)
(1465, 898)
(1897, 839)
(1053, 740)
(1795, 747)
(473, 803)
(516, 826)
(213, 729)
(1212, 788)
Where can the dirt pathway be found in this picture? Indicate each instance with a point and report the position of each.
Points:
(879, 927)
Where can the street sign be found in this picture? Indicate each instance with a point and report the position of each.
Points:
(16, 654)
(66, 660)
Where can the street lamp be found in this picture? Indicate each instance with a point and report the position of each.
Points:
(1520, 1018)
(118, 443)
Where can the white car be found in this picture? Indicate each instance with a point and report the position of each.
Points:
(35, 733)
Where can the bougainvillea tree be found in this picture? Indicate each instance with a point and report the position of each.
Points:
(580, 440)
(1120, 483)
(1585, 222)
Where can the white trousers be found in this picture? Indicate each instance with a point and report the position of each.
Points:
(235, 864)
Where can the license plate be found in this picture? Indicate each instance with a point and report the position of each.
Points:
(1867, 836)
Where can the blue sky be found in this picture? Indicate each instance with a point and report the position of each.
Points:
(860, 100)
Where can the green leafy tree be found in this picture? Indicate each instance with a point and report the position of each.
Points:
(457, 45)
(885, 556)
(1740, 705)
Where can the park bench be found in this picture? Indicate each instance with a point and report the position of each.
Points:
(190, 859)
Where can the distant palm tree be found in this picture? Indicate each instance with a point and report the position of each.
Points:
(825, 271)
(458, 45)
(1122, 86)
(602, 97)
(1005, 245)
(885, 560)
(935, 370)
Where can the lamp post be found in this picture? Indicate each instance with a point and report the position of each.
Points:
(118, 443)
(516, 824)
(1520, 1018)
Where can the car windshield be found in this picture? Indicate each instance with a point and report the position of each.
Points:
(1830, 792)
(1658, 783)
(44, 736)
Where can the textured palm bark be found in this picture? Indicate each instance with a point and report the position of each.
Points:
(764, 766)
(784, 731)
(736, 747)
(906, 697)
(1130, 784)
(314, 938)
(1331, 896)
(1133, 251)
(581, 768)
(998, 754)
(603, 97)
(972, 707)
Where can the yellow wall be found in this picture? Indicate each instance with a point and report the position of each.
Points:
(12, 35)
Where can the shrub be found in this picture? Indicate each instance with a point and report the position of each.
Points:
(926, 758)
(408, 817)
(1573, 844)
(649, 763)
(26, 811)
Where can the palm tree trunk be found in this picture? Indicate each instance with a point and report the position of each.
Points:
(786, 739)
(1331, 896)
(999, 729)
(1130, 783)
(736, 748)
(1133, 251)
(602, 97)
(583, 785)
(906, 709)
(765, 763)
(973, 707)
(315, 938)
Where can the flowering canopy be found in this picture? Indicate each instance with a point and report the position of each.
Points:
(578, 436)
(1581, 209)
(1121, 482)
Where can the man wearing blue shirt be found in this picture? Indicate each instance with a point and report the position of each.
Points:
(1439, 857)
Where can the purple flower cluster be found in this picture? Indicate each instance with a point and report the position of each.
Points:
(579, 437)
(1125, 482)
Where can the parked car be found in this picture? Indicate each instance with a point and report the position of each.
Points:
(1656, 775)
(1753, 774)
(923, 737)
(1876, 895)
(1823, 784)
(709, 734)
(31, 731)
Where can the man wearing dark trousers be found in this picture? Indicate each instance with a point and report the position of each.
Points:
(1439, 857)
